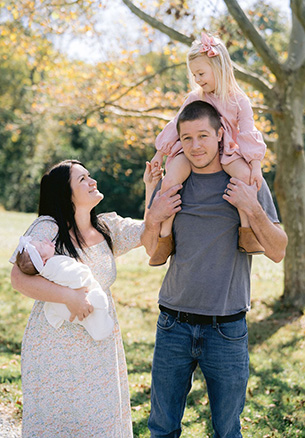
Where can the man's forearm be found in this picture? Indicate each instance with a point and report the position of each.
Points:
(150, 234)
(270, 235)
(162, 207)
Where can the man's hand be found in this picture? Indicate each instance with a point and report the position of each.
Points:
(165, 205)
(241, 195)
(162, 207)
(270, 235)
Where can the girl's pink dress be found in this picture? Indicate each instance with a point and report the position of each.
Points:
(241, 138)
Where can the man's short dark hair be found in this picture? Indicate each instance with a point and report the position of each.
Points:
(199, 110)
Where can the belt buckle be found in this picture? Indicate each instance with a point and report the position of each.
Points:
(186, 317)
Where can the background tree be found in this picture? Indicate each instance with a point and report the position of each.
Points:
(284, 94)
(52, 108)
(49, 103)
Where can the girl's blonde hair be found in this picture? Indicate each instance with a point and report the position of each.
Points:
(226, 87)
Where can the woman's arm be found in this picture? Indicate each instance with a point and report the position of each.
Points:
(39, 288)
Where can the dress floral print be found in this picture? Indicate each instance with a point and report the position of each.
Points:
(73, 386)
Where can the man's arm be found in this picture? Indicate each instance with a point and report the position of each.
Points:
(162, 207)
(270, 235)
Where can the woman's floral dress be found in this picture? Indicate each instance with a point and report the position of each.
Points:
(73, 386)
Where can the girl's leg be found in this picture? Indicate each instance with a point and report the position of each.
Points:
(247, 240)
(239, 169)
(177, 172)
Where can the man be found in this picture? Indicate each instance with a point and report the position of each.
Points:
(206, 291)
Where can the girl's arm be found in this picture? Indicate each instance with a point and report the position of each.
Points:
(38, 288)
(151, 177)
(256, 175)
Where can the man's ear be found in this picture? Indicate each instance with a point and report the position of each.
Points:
(220, 133)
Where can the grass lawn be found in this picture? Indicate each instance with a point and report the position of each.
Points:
(275, 405)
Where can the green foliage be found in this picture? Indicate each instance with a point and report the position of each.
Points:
(52, 109)
(270, 22)
(117, 166)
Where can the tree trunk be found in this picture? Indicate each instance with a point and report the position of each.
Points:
(290, 189)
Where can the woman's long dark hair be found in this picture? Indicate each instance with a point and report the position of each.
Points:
(56, 201)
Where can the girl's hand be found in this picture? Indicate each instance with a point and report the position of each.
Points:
(256, 176)
(78, 303)
(152, 174)
(157, 160)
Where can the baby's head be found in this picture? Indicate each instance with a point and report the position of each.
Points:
(33, 254)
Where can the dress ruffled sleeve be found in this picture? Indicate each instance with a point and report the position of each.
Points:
(168, 140)
(249, 139)
(125, 232)
(252, 145)
(241, 138)
(44, 227)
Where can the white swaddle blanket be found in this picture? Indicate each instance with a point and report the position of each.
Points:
(66, 271)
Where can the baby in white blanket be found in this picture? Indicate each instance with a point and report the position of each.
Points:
(36, 257)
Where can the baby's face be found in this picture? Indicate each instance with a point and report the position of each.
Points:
(46, 249)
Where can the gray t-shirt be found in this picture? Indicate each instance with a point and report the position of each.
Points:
(207, 274)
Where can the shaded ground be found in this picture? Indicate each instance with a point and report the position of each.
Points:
(10, 426)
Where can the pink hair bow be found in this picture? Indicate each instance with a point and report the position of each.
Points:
(208, 44)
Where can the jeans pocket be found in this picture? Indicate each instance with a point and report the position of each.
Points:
(233, 331)
(166, 321)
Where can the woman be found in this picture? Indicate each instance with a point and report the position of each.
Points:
(74, 386)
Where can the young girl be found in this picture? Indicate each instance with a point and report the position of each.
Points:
(212, 80)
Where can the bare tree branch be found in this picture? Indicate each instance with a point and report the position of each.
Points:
(268, 56)
(146, 78)
(251, 78)
(129, 89)
(266, 109)
(298, 7)
(123, 112)
(156, 24)
(296, 52)
(147, 110)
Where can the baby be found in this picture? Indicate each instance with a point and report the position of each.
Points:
(36, 257)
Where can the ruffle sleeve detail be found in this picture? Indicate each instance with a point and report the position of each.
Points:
(167, 138)
(125, 232)
(44, 227)
(251, 145)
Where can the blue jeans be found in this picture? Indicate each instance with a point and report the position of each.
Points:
(221, 350)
